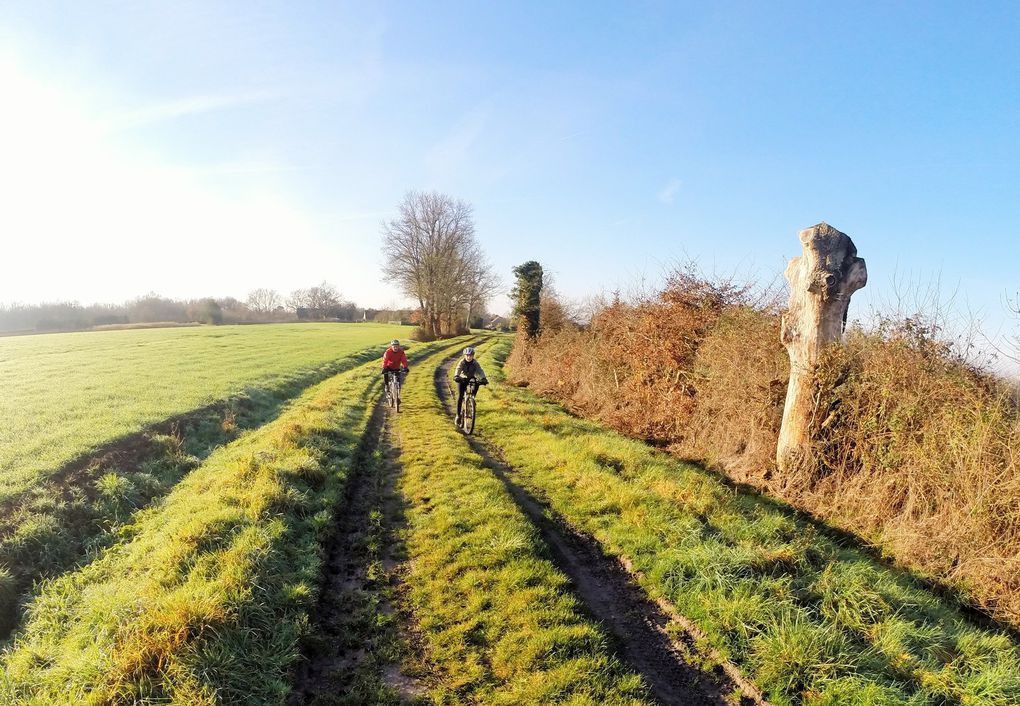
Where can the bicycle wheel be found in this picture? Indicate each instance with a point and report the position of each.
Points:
(396, 384)
(469, 414)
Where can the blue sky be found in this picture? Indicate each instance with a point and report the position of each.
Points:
(223, 146)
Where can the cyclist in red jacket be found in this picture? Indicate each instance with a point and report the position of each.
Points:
(395, 360)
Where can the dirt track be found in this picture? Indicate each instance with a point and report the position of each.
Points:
(637, 624)
(351, 653)
(364, 573)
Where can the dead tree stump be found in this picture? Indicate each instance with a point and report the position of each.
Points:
(821, 283)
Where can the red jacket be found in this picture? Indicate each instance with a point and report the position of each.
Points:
(394, 360)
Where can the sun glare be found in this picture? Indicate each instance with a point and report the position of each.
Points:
(82, 214)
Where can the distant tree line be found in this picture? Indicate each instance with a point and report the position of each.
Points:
(319, 303)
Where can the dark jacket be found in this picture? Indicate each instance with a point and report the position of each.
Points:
(469, 369)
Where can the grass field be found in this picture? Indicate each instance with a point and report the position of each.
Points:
(204, 591)
(206, 597)
(809, 617)
(66, 394)
(85, 390)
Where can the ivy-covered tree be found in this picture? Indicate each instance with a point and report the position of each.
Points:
(527, 298)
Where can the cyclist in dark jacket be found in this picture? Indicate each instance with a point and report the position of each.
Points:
(467, 369)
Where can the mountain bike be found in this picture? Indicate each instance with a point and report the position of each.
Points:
(467, 408)
(392, 386)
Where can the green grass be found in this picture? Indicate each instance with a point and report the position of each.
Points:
(499, 620)
(67, 394)
(207, 595)
(809, 618)
(50, 526)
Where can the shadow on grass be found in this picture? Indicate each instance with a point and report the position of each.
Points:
(750, 499)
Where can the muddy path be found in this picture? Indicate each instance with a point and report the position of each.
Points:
(639, 626)
(364, 648)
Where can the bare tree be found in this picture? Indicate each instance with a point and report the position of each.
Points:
(432, 254)
(324, 297)
(323, 301)
(482, 286)
(264, 301)
(298, 299)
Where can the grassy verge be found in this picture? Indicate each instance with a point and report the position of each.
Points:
(500, 624)
(61, 521)
(205, 598)
(809, 618)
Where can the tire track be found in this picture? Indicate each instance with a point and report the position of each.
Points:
(639, 625)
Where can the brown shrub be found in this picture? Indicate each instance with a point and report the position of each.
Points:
(920, 454)
(917, 451)
(742, 372)
(421, 334)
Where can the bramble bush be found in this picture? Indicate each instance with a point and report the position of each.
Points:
(917, 448)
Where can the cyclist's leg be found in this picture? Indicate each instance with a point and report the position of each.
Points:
(461, 388)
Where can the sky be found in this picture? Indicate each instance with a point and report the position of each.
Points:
(208, 148)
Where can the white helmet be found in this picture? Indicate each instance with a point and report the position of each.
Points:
(395, 342)
(469, 351)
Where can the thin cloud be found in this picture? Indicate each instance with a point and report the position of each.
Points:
(230, 168)
(667, 194)
(175, 109)
(369, 216)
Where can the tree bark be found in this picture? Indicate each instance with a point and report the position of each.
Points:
(821, 283)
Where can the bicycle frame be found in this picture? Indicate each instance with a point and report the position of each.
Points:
(468, 410)
(392, 384)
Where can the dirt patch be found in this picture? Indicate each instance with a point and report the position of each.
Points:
(364, 648)
(640, 626)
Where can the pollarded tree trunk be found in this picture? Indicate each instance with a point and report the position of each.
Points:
(821, 283)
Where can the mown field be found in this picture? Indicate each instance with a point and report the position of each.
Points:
(206, 594)
(66, 394)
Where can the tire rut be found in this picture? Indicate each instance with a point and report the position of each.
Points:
(353, 657)
(640, 626)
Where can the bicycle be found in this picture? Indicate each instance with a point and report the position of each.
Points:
(392, 387)
(467, 411)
